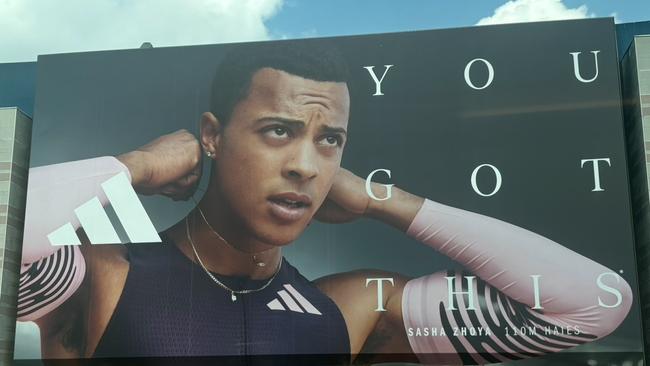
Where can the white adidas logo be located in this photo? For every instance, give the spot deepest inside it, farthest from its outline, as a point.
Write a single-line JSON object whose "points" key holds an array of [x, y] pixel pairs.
{"points": [[97, 225], [290, 302]]}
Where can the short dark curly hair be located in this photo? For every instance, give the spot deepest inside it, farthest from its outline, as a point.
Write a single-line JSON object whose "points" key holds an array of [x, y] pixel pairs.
{"points": [[317, 60]]}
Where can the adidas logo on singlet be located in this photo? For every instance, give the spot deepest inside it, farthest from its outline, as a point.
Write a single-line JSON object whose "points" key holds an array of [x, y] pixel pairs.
{"points": [[292, 301], [97, 225]]}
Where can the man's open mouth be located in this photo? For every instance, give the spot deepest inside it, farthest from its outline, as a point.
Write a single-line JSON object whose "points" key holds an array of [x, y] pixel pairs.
{"points": [[289, 203], [289, 206], [291, 199]]}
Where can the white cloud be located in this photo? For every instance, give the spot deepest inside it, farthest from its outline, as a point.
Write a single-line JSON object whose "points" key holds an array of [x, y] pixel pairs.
{"points": [[518, 11], [32, 27]]}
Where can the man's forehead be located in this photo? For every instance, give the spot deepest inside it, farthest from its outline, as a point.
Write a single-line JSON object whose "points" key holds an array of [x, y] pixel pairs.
{"points": [[279, 86]]}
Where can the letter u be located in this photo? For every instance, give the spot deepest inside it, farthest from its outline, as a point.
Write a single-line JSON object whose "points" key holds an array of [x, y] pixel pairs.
{"points": [[576, 66]]}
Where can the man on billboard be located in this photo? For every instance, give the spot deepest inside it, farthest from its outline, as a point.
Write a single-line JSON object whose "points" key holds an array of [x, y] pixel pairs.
{"points": [[219, 285]]}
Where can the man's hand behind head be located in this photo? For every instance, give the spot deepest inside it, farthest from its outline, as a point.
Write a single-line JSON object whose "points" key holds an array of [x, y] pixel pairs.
{"points": [[169, 165]]}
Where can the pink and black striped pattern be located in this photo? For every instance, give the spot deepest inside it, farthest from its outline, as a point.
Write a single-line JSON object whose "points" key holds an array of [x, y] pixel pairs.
{"points": [[47, 283]]}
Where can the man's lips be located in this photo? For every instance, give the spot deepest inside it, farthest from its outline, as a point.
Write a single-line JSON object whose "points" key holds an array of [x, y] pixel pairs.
{"points": [[289, 206]]}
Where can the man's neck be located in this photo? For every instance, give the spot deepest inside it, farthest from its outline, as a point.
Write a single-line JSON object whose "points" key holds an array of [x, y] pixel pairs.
{"points": [[221, 256]]}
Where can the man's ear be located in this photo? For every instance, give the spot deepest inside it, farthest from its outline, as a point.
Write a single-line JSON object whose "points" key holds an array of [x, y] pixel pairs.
{"points": [[211, 132]]}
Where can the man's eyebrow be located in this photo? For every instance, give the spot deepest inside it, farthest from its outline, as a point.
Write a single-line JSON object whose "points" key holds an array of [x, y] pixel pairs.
{"points": [[331, 129], [286, 121], [296, 123]]}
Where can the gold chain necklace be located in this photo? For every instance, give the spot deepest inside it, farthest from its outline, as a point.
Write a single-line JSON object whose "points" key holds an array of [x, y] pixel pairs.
{"points": [[257, 262], [233, 297]]}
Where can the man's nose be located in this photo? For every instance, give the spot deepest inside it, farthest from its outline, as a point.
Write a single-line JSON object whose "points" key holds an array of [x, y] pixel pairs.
{"points": [[303, 163]]}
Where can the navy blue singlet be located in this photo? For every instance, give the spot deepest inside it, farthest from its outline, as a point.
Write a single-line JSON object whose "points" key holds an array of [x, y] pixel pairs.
{"points": [[170, 307]]}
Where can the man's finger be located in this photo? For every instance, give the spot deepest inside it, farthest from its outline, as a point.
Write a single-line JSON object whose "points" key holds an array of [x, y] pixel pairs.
{"points": [[197, 169], [168, 190], [187, 181], [185, 193]]}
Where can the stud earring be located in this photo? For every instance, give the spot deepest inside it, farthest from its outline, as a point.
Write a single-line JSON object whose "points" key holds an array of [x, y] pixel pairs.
{"points": [[209, 154]]}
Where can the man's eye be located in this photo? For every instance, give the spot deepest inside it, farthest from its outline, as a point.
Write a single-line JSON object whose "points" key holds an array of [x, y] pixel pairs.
{"points": [[277, 132], [332, 140]]}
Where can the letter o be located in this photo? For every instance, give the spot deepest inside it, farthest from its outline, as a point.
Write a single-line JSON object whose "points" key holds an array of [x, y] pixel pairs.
{"points": [[490, 74], [497, 185]]}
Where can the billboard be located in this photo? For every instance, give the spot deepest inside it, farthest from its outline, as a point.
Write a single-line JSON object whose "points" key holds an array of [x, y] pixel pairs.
{"points": [[447, 197]]}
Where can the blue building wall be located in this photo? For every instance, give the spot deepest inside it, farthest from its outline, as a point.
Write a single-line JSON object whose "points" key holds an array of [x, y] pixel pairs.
{"points": [[625, 33], [17, 86]]}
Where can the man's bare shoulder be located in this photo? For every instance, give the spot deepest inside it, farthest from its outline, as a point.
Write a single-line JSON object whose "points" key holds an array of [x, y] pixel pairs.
{"points": [[108, 269], [357, 292], [356, 295], [69, 330], [356, 279], [62, 329]]}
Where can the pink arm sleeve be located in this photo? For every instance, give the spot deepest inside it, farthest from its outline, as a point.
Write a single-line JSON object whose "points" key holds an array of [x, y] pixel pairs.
{"points": [[54, 191], [504, 257], [51, 274]]}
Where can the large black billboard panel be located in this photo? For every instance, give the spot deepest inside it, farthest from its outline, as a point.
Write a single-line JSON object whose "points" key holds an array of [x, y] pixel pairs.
{"points": [[450, 196]]}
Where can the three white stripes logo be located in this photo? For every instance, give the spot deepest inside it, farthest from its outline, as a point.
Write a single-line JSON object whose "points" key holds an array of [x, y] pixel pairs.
{"points": [[290, 301], [97, 225]]}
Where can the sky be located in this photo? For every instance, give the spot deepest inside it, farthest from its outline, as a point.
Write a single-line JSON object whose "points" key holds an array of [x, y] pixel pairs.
{"points": [[29, 28]]}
